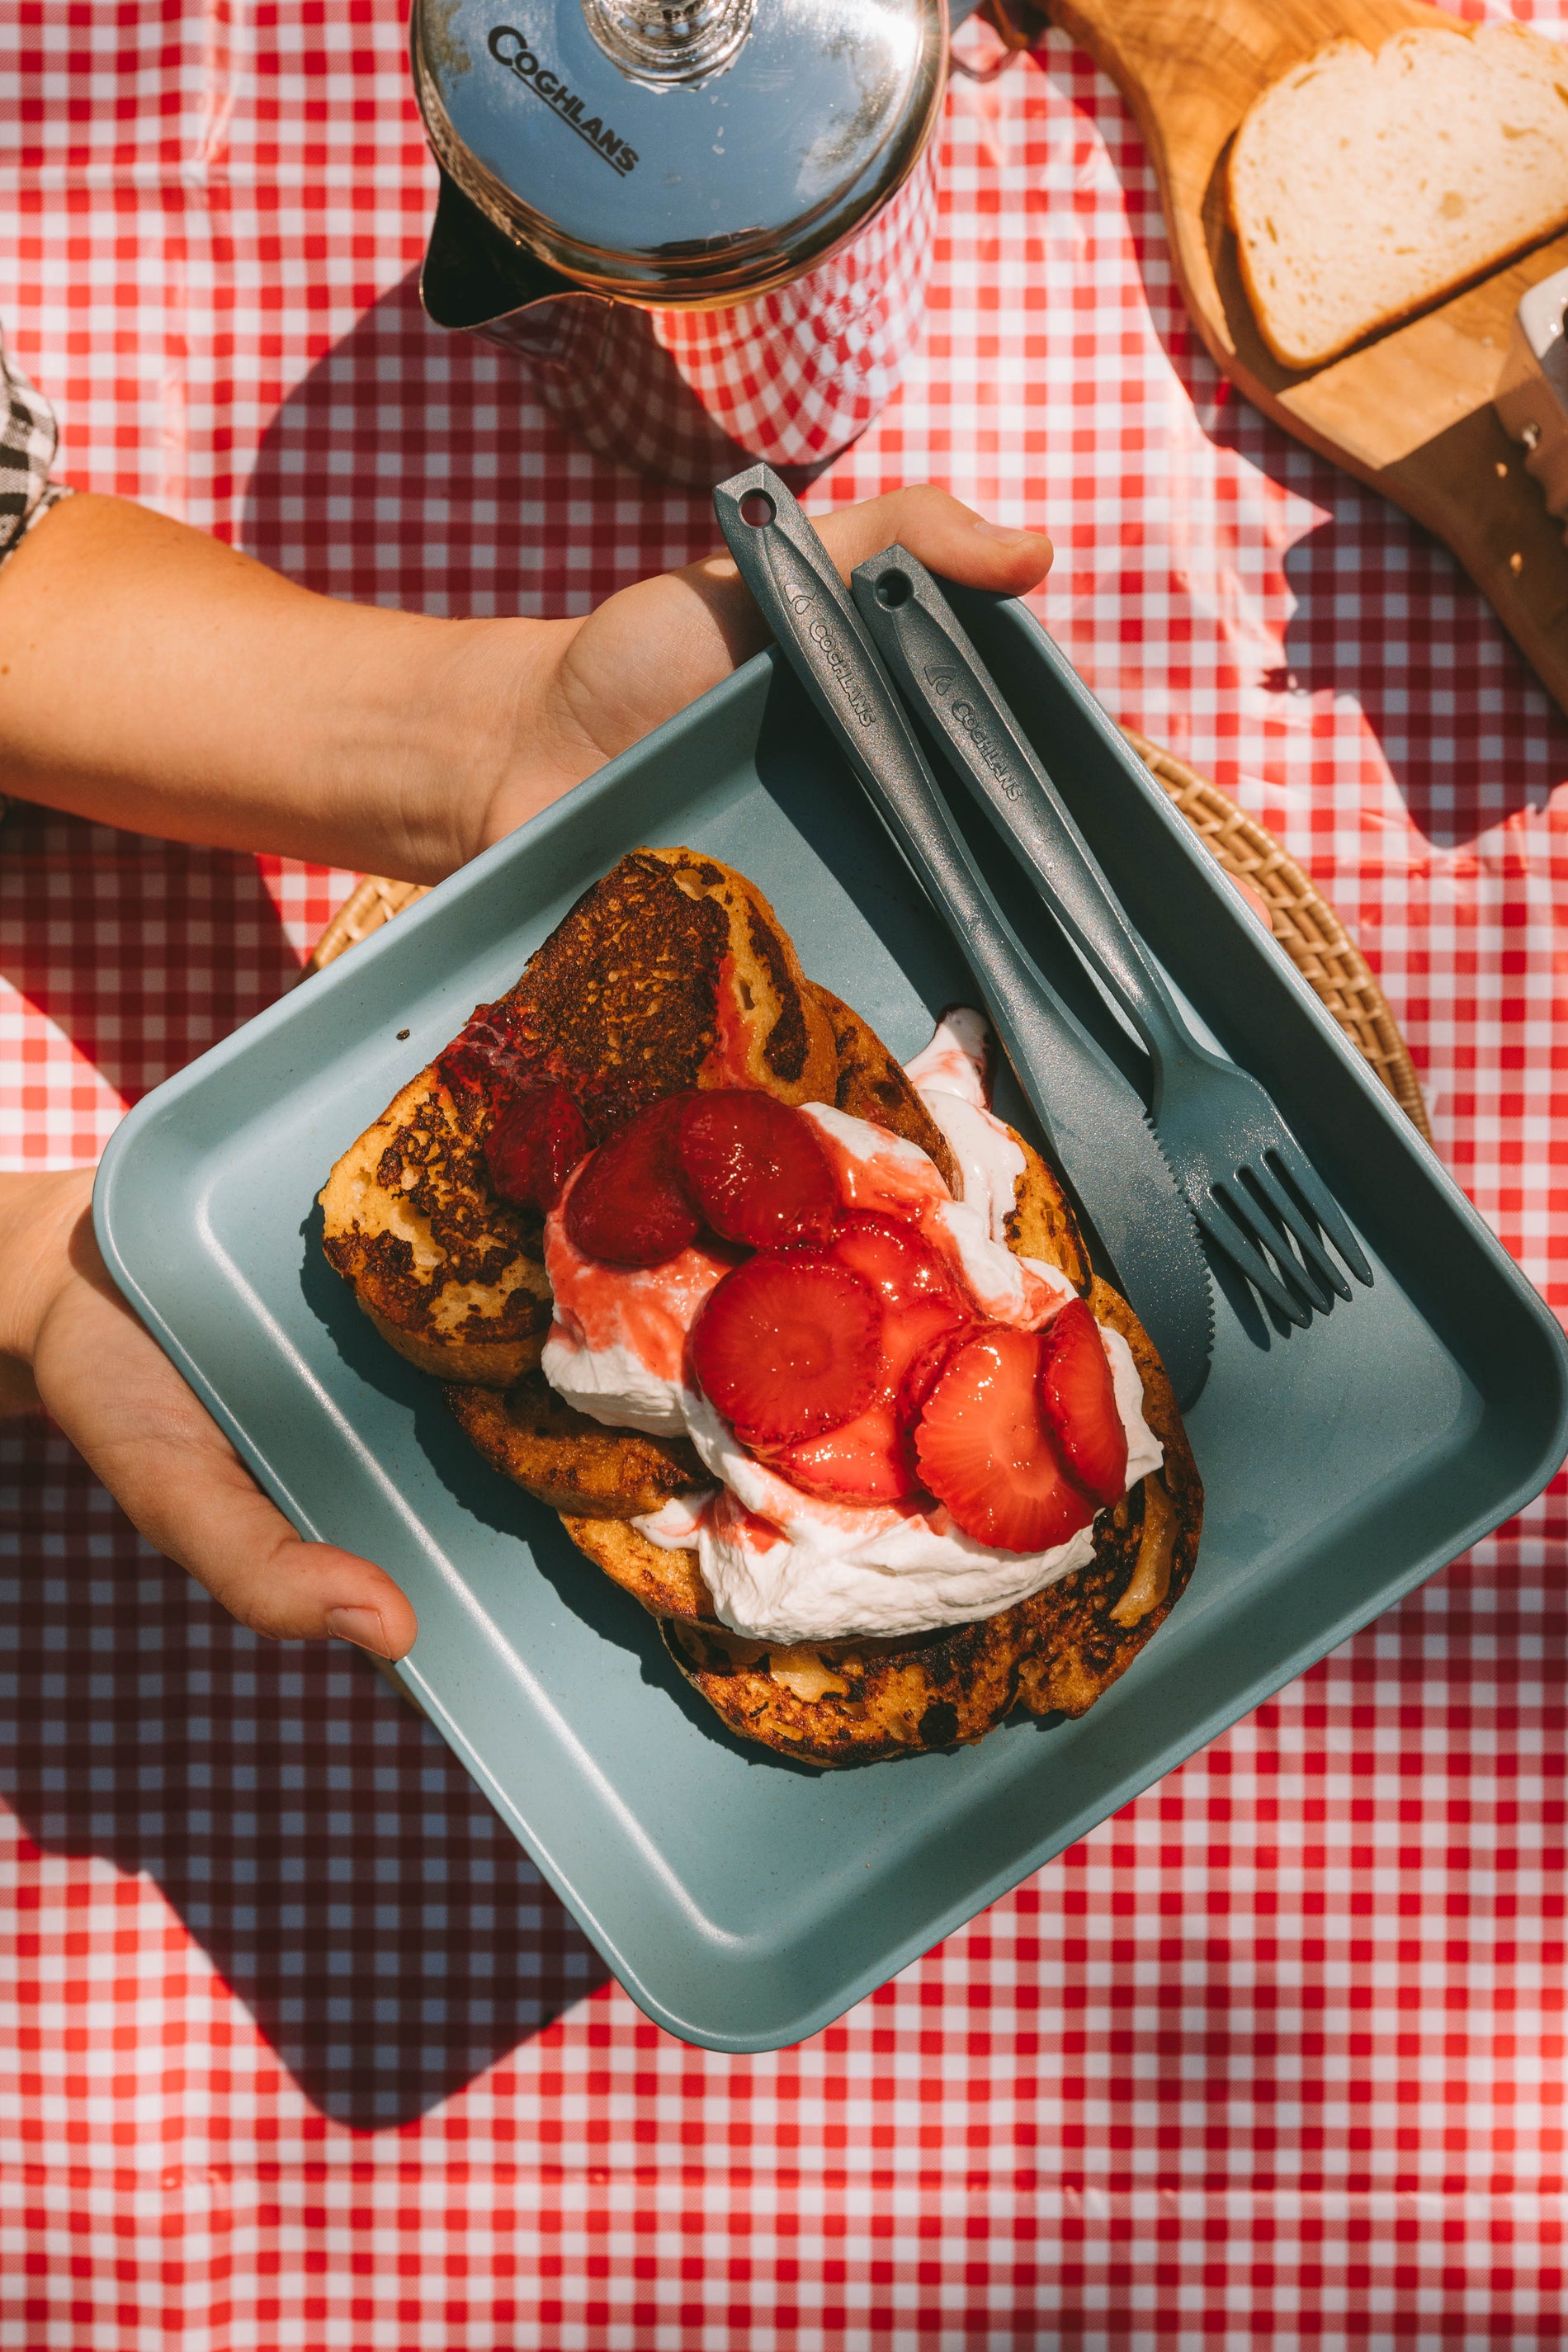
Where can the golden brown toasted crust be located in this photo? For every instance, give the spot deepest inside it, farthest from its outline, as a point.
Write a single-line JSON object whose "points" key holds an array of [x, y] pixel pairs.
{"points": [[860, 1702], [449, 1274], [770, 1028], [568, 1460], [871, 1084], [667, 1583], [1042, 1224], [671, 971]]}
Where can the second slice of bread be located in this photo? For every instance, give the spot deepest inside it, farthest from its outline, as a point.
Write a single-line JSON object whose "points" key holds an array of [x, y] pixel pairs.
{"points": [[1363, 188]]}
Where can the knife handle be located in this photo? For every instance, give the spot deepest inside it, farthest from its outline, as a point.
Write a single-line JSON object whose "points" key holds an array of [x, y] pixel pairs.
{"points": [[929, 654], [798, 588]]}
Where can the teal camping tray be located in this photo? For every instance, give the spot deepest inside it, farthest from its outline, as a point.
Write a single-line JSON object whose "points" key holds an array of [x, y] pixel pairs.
{"points": [[745, 1901]]}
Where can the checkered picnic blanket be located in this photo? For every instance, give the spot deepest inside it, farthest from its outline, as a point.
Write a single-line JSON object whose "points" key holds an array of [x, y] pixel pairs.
{"points": [[298, 2051]]}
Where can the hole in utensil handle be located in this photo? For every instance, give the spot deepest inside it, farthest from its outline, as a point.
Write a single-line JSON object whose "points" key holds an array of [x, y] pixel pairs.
{"points": [[758, 509], [893, 589]]}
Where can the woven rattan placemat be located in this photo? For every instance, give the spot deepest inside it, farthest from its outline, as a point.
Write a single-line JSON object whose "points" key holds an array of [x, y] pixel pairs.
{"points": [[1304, 923]]}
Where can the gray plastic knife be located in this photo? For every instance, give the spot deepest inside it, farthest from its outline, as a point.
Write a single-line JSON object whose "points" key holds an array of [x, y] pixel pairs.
{"points": [[1091, 1118]]}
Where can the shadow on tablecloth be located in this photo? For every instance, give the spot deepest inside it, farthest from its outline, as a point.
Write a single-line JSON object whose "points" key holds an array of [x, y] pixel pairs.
{"points": [[144, 952], [315, 1836], [416, 468]]}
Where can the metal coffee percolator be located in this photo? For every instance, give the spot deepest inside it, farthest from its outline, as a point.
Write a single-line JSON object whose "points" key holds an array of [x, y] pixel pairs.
{"points": [[709, 224]]}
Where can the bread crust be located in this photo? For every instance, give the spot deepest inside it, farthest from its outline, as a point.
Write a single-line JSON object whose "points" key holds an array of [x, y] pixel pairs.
{"points": [[870, 1083], [669, 1583], [566, 1459], [450, 1277]]}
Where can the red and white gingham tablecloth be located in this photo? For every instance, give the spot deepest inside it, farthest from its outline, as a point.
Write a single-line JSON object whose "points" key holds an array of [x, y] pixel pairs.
{"points": [[297, 2051]]}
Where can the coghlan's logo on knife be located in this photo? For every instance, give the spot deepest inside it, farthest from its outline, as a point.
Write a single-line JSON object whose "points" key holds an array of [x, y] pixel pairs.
{"points": [[509, 49], [964, 714], [817, 630]]}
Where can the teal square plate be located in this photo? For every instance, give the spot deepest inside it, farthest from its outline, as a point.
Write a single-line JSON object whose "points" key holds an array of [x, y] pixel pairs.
{"points": [[743, 1900]]}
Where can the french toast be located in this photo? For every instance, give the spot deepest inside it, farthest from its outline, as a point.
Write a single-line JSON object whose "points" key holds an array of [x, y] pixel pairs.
{"points": [[674, 974]]}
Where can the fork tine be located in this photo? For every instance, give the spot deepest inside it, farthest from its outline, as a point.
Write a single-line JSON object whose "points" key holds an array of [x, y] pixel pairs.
{"points": [[1252, 1214], [1258, 1173], [1228, 1235], [1294, 1164]]}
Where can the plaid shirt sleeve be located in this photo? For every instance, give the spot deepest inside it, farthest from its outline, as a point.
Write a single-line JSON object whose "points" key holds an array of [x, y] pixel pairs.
{"points": [[27, 439]]}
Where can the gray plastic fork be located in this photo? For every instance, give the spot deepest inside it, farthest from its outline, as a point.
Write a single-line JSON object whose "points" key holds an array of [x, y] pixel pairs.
{"points": [[1247, 1180]]}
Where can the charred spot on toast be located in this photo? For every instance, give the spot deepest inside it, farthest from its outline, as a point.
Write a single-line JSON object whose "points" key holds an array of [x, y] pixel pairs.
{"points": [[434, 1160], [618, 1004], [771, 1031], [670, 973], [853, 1702], [784, 1052]]}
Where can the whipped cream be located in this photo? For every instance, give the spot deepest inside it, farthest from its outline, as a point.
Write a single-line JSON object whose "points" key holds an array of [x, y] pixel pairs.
{"points": [[783, 1566], [950, 1078]]}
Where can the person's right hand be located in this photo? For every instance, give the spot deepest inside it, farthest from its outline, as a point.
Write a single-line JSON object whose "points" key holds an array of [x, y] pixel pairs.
{"points": [[69, 1343], [225, 705], [581, 691]]}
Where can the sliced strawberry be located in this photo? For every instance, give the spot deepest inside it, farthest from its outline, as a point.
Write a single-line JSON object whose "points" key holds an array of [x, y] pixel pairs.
{"points": [[920, 1301], [984, 1447], [895, 1258], [1078, 1398], [755, 1170], [871, 1459], [922, 1372], [787, 1345], [535, 1140], [629, 1205]]}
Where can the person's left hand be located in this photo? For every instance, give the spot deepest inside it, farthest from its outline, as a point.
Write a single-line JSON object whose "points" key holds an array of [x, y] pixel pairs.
{"points": [[70, 1342]]}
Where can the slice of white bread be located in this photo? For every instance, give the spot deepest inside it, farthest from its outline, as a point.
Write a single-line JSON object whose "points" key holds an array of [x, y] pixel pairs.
{"points": [[1363, 188]]}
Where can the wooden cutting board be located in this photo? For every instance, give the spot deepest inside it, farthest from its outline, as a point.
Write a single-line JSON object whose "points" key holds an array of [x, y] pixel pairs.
{"points": [[1409, 413]]}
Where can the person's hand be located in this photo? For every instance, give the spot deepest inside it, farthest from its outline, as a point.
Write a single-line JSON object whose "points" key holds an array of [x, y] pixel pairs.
{"points": [[572, 694], [225, 705], [68, 1342]]}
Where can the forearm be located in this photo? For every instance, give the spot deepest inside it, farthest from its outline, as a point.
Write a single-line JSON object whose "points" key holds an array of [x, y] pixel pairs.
{"points": [[153, 679]]}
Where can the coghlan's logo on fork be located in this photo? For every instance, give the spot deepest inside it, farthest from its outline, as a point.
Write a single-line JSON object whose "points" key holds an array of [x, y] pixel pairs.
{"points": [[509, 49]]}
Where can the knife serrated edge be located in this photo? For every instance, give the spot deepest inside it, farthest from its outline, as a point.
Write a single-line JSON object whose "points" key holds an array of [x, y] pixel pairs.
{"points": [[1197, 1227], [1194, 1226]]}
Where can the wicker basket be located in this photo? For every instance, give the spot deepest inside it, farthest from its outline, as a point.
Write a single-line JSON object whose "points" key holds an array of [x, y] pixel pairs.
{"points": [[1305, 925]]}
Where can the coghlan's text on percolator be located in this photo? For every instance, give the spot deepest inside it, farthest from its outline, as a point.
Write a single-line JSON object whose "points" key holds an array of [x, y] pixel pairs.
{"points": [[509, 49]]}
